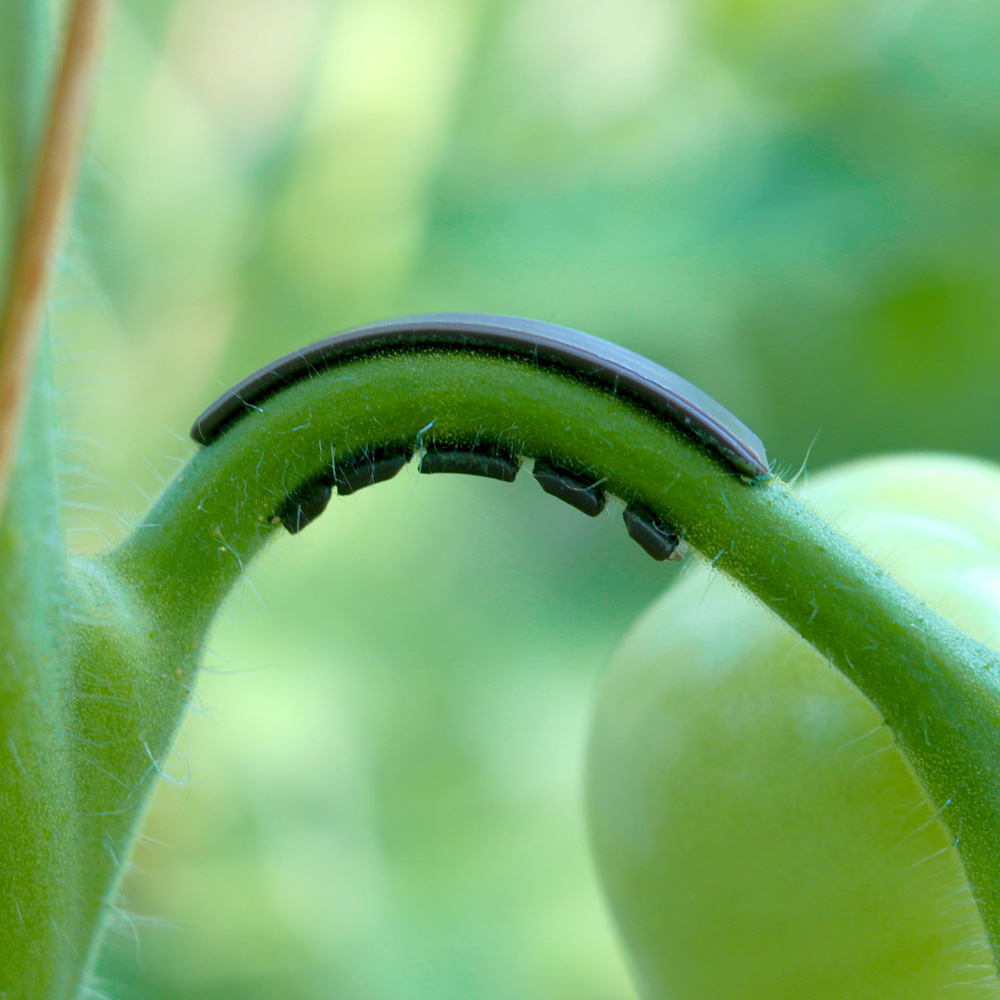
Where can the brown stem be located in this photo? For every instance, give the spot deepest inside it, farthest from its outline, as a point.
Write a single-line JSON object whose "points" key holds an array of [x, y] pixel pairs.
{"points": [[55, 178]]}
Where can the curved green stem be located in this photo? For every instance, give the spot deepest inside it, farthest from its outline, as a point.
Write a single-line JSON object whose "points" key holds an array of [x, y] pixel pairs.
{"points": [[935, 686]]}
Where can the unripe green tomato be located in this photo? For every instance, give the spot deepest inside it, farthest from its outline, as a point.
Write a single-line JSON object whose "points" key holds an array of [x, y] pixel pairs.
{"points": [[757, 832]]}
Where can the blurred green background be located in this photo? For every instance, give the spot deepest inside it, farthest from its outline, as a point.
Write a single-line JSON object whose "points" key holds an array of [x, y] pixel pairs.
{"points": [[378, 795]]}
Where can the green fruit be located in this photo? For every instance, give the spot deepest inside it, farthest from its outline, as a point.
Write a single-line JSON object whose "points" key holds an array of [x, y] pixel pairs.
{"points": [[758, 833]]}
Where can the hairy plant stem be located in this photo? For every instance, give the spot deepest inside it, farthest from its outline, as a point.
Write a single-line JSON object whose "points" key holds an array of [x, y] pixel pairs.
{"points": [[97, 660], [40, 920], [55, 178], [936, 687]]}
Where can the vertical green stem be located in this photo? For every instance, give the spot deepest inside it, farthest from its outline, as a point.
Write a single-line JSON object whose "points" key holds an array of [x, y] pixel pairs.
{"points": [[42, 934]]}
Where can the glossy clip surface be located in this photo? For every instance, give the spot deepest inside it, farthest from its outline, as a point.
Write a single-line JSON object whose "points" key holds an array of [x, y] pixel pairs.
{"points": [[608, 365]]}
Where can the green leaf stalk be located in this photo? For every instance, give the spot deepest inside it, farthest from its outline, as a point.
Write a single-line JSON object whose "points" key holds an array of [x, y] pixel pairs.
{"points": [[98, 656]]}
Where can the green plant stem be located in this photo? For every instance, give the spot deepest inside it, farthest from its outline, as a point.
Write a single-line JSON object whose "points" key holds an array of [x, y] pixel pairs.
{"points": [[934, 685], [41, 231], [40, 915], [40, 912], [97, 664]]}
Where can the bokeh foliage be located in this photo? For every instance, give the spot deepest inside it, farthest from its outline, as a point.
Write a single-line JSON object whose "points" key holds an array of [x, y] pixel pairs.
{"points": [[794, 205]]}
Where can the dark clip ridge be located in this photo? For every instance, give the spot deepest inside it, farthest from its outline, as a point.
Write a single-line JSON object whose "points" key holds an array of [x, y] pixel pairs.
{"points": [[657, 538], [471, 462], [570, 487]]}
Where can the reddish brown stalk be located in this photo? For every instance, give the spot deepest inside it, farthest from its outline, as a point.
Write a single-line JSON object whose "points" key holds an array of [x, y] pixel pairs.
{"points": [[38, 242]]}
